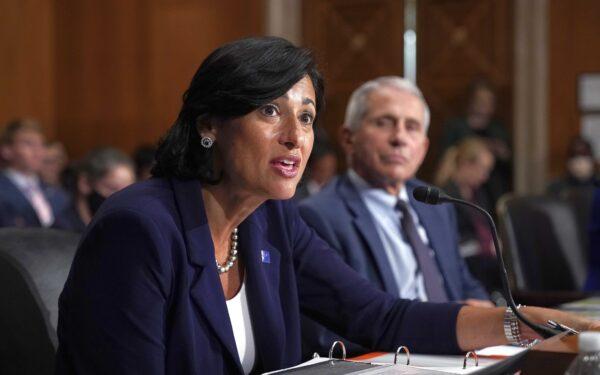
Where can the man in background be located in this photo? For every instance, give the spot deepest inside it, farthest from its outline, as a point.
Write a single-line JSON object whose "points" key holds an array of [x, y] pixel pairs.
{"points": [[369, 215], [25, 201]]}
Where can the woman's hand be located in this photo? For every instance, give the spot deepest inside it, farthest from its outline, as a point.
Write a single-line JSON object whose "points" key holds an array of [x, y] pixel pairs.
{"points": [[541, 316], [478, 327]]}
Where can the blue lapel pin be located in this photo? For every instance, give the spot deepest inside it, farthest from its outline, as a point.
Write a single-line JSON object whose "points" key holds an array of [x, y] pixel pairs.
{"points": [[265, 256]]}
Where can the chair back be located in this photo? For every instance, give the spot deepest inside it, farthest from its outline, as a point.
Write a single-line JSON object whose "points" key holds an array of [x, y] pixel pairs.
{"points": [[542, 238], [34, 265]]}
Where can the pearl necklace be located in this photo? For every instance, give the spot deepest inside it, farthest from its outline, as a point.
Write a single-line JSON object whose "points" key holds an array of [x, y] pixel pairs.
{"points": [[232, 257]]}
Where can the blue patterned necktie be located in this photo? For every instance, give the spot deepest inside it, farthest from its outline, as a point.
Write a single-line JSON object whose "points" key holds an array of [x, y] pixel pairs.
{"points": [[432, 277]]}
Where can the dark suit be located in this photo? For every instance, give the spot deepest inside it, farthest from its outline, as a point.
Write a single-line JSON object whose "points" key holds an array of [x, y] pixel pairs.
{"points": [[144, 297], [339, 215], [15, 209]]}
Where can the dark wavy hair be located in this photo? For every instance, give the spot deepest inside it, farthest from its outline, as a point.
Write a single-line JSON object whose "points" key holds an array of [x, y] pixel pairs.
{"points": [[231, 82]]}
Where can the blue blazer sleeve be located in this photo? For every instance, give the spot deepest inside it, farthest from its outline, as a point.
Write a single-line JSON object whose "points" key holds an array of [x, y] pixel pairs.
{"points": [[121, 285], [333, 294]]}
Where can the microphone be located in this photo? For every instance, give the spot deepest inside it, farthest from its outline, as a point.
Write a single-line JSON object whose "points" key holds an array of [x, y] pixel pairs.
{"points": [[432, 195]]}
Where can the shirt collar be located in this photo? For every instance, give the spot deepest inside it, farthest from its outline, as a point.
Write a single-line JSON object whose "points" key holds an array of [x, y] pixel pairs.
{"points": [[378, 194], [22, 180]]}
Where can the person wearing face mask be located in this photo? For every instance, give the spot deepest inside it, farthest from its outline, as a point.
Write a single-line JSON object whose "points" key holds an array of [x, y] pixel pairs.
{"points": [[580, 168], [103, 172]]}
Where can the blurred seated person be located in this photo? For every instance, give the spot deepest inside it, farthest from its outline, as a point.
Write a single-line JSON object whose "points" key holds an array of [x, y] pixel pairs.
{"points": [[593, 280], [103, 172], [54, 162], [25, 200], [369, 215], [463, 170], [143, 157], [480, 121], [580, 168], [322, 167]]}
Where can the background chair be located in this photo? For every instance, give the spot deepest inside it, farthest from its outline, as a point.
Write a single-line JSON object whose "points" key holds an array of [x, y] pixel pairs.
{"points": [[543, 242], [34, 265]]}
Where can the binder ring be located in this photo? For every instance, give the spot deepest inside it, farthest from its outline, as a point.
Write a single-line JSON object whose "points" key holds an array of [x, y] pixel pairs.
{"points": [[469, 354], [400, 348], [333, 347]]}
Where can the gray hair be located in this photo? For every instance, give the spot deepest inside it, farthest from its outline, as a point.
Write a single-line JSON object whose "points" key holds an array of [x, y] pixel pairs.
{"points": [[357, 105], [100, 161]]}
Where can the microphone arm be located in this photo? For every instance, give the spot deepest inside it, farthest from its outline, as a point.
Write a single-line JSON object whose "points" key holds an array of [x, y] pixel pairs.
{"points": [[432, 195], [543, 331]]}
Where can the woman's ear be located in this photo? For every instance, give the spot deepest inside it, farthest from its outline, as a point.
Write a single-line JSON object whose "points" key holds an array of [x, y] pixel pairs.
{"points": [[206, 127]]}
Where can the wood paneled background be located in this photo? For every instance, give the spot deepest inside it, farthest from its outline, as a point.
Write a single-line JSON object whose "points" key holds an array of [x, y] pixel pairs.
{"points": [[354, 41], [110, 72], [574, 49], [458, 42], [113, 72]]}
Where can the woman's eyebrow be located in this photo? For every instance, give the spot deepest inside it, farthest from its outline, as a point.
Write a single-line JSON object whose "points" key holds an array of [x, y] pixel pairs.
{"points": [[306, 100], [309, 101]]}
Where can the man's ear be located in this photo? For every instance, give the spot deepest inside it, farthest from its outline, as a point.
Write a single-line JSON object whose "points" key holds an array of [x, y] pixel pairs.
{"points": [[426, 144], [346, 137]]}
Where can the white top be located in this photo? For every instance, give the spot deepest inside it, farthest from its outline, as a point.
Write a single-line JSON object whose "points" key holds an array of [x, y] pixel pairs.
{"points": [[242, 328], [400, 255]]}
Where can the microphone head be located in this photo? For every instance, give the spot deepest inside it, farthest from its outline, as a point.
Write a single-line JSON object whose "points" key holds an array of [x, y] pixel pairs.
{"points": [[427, 194]]}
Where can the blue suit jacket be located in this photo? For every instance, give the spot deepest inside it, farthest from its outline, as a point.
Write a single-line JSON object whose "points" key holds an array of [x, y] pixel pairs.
{"points": [[143, 295], [15, 209], [339, 216]]}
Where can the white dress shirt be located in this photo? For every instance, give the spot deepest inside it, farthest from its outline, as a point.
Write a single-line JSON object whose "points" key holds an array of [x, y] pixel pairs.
{"points": [[29, 185], [400, 255]]}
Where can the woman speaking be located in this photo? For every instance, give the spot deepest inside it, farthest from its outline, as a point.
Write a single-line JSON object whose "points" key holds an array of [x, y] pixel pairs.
{"points": [[205, 268]]}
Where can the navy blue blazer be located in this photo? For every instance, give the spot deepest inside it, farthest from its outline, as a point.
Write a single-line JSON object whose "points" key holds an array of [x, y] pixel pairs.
{"points": [[15, 209], [144, 297], [341, 218]]}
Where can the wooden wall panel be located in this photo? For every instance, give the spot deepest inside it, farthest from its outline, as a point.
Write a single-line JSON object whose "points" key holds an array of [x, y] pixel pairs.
{"points": [[457, 42], [27, 61], [354, 41], [574, 40], [122, 66]]}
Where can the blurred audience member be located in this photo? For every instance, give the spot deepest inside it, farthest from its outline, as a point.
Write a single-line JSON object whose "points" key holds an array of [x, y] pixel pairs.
{"points": [[580, 168], [593, 280], [143, 157], [103, 172], [55, 160], [322, 167], [479, 121], [25, 200], [462, 173]]}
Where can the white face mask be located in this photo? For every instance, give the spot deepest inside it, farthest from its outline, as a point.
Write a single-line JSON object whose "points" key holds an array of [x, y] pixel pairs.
{"points": [[581, 167]]}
